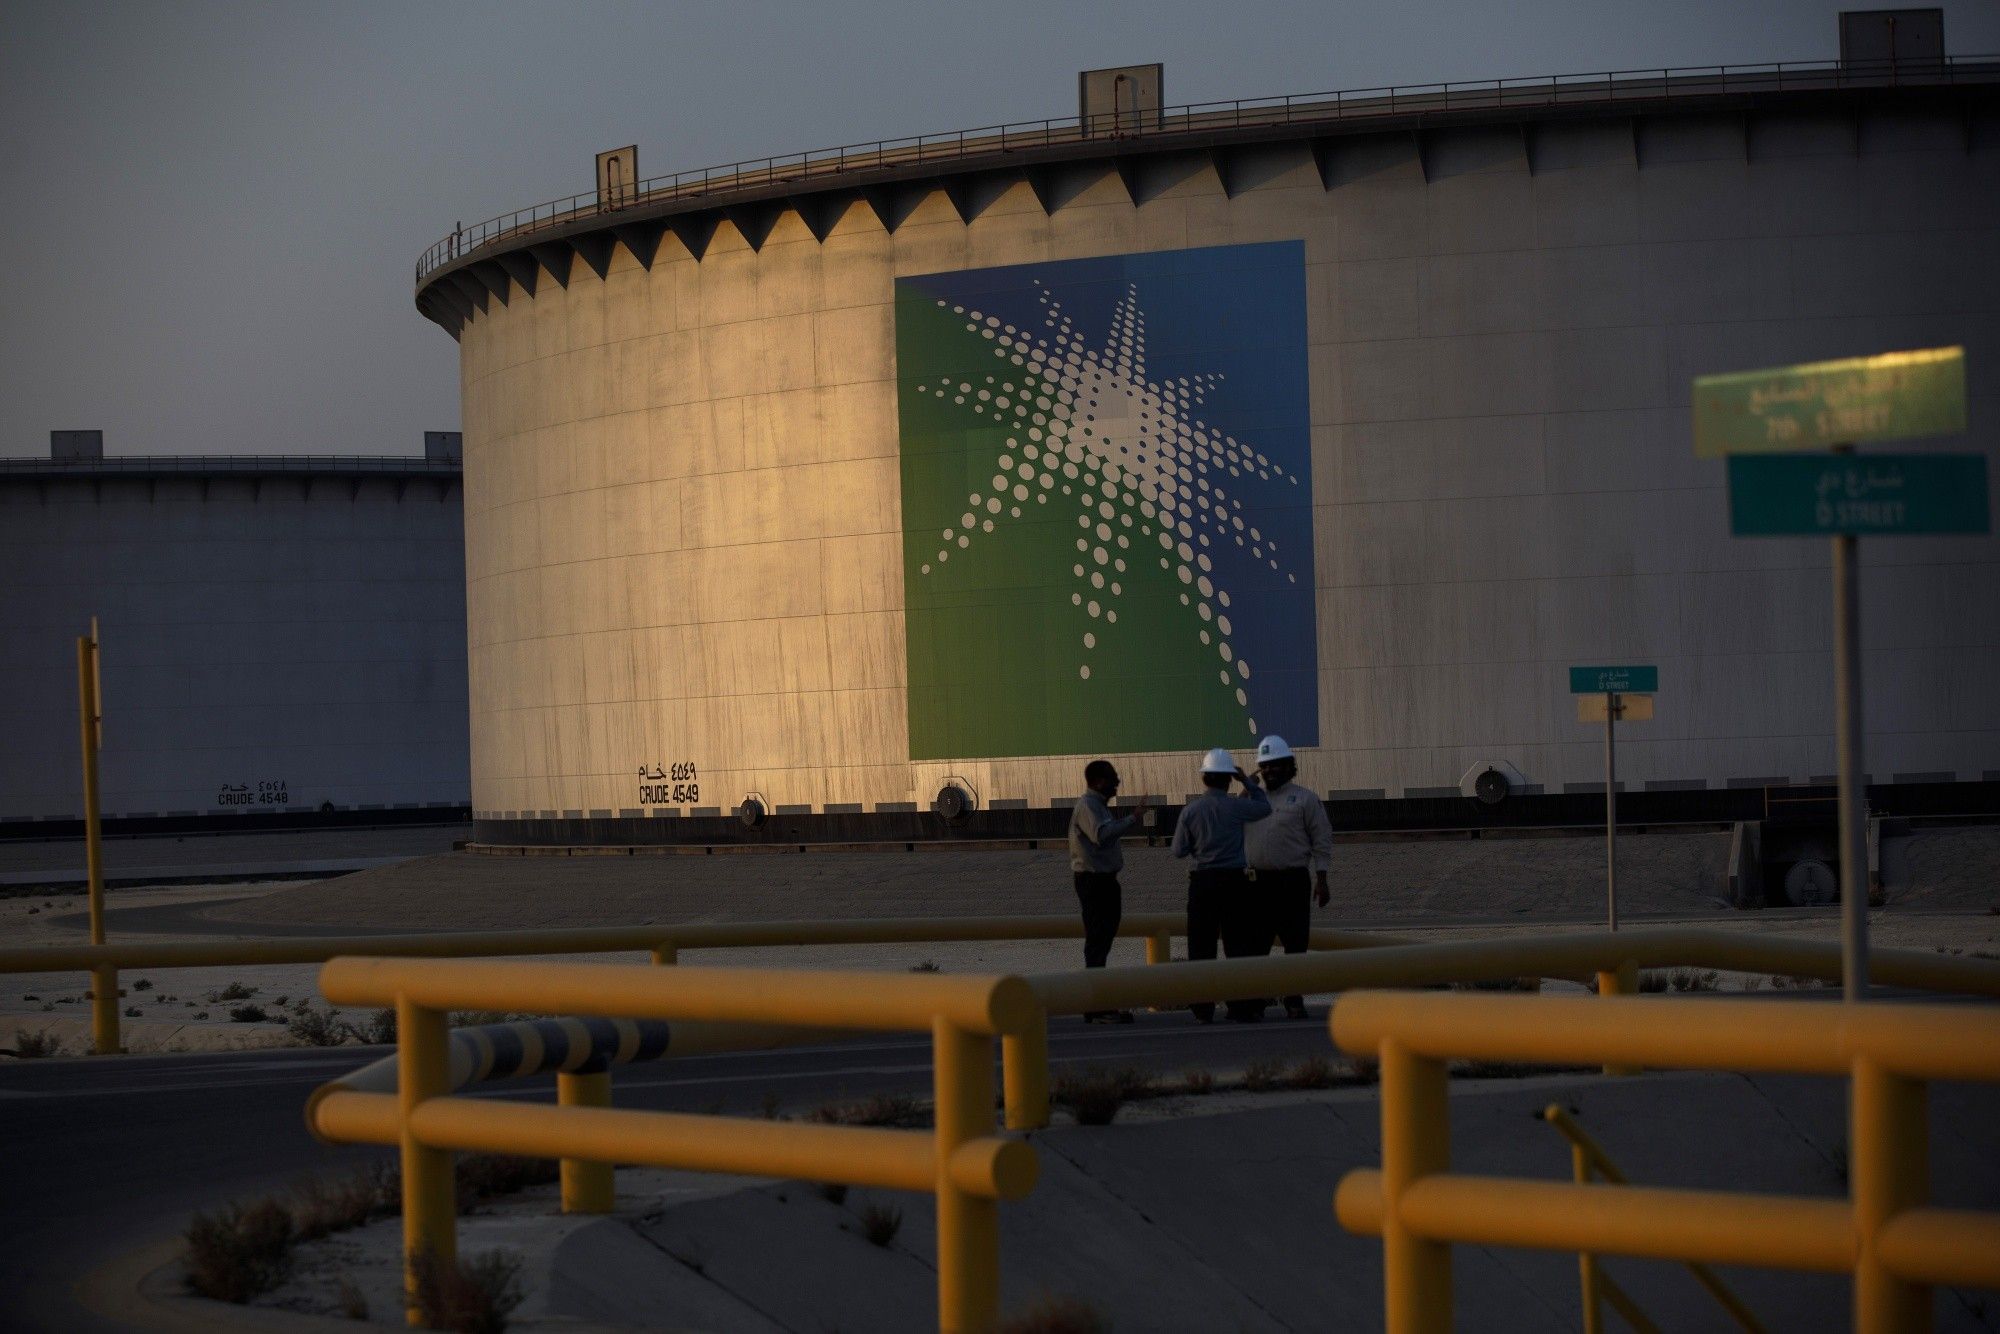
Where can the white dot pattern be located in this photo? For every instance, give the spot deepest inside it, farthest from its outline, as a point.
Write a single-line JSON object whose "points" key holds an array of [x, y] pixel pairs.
{"points": [[1091, 414]]}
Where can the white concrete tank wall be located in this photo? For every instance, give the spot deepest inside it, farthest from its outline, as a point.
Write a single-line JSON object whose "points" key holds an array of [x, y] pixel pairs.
{"points": [[270, 643], [684, 530]]}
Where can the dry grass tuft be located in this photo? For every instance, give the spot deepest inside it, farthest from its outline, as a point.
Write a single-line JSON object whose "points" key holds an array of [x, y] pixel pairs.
{"points": [[1314, 1072], [1058, 1315], [880, 1223], [899, 1111], [474, 1296], [1261, 1076], [483, 1176], [34, 1046], [239, 1251], [1096, 1095]]}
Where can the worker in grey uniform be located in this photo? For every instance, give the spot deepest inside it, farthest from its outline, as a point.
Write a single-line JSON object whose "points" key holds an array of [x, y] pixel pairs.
{"points": [[1219, 903], [1295, 842], [1095, 859]]}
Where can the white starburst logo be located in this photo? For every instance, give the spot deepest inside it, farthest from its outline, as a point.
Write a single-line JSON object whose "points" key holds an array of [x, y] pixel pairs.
{"points": [[1091, 430]]}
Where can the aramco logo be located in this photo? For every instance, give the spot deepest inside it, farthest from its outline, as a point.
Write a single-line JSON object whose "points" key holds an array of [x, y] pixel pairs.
{"points": [[1107, 504]]}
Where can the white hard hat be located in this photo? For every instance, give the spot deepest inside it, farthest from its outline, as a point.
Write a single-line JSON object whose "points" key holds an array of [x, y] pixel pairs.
{"points": [[1218, 761], [1273, 748]]}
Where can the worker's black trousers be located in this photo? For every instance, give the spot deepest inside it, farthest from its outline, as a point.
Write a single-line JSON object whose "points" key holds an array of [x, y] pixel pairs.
{"points": [[1222, 907], [1098, 894], [1287, 900]]}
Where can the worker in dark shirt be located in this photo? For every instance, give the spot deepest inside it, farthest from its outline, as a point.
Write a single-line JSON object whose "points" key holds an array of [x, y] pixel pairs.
{"points": [[1219, 902], [1095, 859]]}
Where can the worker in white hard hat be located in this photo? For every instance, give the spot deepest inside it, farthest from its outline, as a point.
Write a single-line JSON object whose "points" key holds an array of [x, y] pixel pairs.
{"points": [[1285, 851], [1219, 903]]}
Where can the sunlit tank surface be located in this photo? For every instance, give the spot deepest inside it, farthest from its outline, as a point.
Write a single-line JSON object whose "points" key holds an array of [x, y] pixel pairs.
{"points": [[843, 479]]}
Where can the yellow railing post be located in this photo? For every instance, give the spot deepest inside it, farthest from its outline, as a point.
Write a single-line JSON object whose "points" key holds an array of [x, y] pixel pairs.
{"points": [[666, 952], [104, 980], [1416, 1141], [430, 1197], [1888, 1160], [1586, 1263], [1620, 981], [968, 1225], [587, 1187], [1024, 1067], [104, 1010], [1159, 948]]}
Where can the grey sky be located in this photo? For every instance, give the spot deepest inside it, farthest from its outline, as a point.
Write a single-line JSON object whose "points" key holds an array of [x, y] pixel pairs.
{"points": [[212, 210]]}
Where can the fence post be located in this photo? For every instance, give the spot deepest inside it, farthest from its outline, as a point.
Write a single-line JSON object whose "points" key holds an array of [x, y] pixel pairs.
{"points": [[1024, 1067], [1160, 948], [104, 1010], [587, 1187], [430, 1196], [666, 952], [968, 1226], [1888, 1156], [1416, 1141], [1620, 981]]}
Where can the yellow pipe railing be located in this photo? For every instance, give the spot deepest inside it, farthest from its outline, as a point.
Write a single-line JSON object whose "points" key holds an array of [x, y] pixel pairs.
{"points": [[1588, 1157], [964, 1162], [1613, 958], [104, 962], [1885, 1234]]}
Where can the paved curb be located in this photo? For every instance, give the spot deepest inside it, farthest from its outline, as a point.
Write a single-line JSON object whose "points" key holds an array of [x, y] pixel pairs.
{"points": [[142, 1290]]}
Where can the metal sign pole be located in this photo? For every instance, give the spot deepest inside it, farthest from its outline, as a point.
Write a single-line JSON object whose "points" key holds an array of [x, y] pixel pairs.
{"points": [[1610, 810], [1848, 751]]}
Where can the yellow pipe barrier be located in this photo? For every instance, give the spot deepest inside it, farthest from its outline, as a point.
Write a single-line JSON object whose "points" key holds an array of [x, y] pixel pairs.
{"points": [[1896, 1246], [1889, 1171], [103, 962], [963, 1162], [1586, 1157], [670, 937], [587, 1187], [1943, 1247], [1342, 959], [1340, 964], [1621, 980], [1683, 1034], [820, 999], [1024, 1066], [1416, 1144], [430, 1192]]}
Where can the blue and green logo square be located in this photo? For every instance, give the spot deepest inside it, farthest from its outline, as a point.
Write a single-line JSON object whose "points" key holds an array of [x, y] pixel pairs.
{"points": [[1107, 504]]}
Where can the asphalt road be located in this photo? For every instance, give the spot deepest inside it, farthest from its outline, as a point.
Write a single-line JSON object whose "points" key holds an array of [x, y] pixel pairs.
{"points": [[99, 1157]]}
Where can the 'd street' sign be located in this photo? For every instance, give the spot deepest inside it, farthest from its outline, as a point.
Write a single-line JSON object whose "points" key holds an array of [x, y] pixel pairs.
{"points": [[1826, 403], [1795, 495], [1613, 680]]}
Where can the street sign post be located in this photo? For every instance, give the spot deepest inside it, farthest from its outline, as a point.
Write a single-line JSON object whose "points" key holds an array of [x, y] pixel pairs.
{"points": [[1607, 695], [1837, 405], [1816, 495]]}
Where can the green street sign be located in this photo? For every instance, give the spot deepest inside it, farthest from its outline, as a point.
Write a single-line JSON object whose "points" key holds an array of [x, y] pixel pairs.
{"points": [[1826, 403], [1794, 495], [1613, 680]]}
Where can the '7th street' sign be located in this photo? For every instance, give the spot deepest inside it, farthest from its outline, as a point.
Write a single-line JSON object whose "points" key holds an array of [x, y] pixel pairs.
{"points": [[1826, 403]]}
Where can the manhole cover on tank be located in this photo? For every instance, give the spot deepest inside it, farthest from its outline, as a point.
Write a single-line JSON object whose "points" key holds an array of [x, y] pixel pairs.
{"points": [[1811, 883]]}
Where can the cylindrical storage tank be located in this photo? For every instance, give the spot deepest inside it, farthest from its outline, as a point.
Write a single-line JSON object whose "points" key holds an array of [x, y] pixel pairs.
{"points": [[1361, 430]]}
